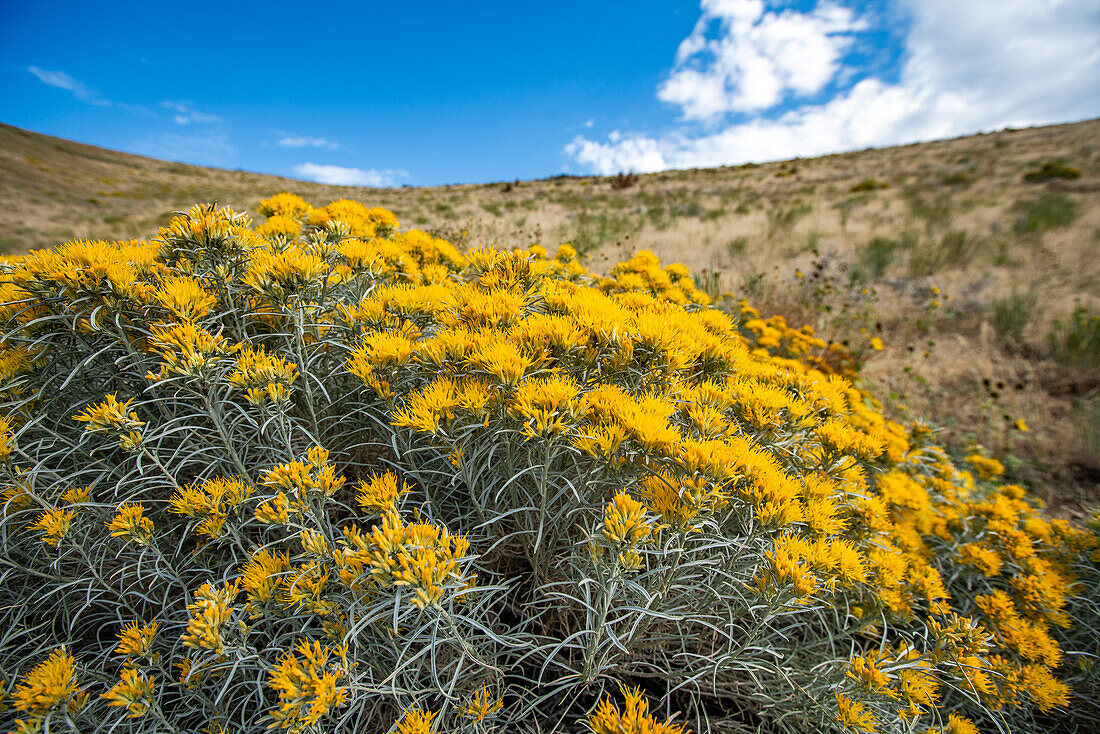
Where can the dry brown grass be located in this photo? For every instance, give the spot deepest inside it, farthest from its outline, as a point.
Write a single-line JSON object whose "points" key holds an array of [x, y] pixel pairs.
{"points": [[956, 215]]}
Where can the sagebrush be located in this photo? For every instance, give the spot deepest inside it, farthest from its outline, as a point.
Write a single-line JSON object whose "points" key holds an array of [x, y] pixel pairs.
{"points": [[323, 475]]}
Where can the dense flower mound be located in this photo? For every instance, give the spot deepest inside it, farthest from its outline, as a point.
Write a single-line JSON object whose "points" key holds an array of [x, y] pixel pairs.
{"points": [[323, 476]]}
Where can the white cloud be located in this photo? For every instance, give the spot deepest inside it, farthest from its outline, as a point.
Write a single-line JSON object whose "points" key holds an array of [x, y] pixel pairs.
{"points": [[210, 149], [341, 176], [973, 66], [61, 80], [291, 141], [757, 58], [185, 114]]}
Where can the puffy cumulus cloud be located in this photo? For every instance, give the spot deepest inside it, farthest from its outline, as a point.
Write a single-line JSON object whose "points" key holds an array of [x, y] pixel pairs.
{"points": [[297, 141], [979, 65], [61, 80], [342, 176], [184, 113], [757, 58]]}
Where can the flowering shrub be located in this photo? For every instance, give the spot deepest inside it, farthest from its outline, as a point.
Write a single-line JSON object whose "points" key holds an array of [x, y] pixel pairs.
{"points": [[321, 475]]}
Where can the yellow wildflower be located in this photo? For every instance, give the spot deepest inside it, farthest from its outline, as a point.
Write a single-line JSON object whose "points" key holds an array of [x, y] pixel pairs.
{"points": [[131, 525], [481, 705], [134, 691], [854, 715], [136, 641], [184, 297], [625, 521], [415, 721], [380, 492], [54, 524], [307, 685], [634, 718], [50, 686], [210, 612], [110, 415]]}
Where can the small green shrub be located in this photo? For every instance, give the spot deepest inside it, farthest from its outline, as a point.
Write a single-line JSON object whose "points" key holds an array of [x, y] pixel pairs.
{"points": [[1047, 211], [958, 179], [1050, 171], [1013, 313], [622, 180], [869, 184], [595, 229]]}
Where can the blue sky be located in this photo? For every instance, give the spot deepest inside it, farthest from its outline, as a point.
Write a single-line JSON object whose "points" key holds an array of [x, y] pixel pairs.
{"points": [[450, 92]]}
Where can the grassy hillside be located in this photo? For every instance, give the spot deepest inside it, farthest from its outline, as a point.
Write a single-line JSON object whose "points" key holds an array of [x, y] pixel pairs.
{"points": [[983, 286]]}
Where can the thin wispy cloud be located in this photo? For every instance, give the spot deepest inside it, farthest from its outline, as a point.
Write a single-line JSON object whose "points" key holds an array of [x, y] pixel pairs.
{"points": [[212, 148], [344, 176], [184, 113], [291, 141], [61, 80], [742, 78]]}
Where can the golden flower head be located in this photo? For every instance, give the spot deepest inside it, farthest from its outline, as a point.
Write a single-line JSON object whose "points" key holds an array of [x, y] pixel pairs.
{"points": [[50, 686], [134, 691], [131, 525]]}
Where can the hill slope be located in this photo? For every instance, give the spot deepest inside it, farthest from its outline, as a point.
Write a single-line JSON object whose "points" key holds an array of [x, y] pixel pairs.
{"points": [[968, 273]]}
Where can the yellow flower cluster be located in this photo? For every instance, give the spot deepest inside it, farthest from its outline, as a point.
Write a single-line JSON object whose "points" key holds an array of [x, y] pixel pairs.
{"points": [[134, 691], [306, 680], [131, 524], [51, 687], [263, 376], [54, 524], [210, 613], [111, 416], [137, 641], [380, 493], [421, 557], [301, 478], [482, 705], [633, 718], [211, 503]]}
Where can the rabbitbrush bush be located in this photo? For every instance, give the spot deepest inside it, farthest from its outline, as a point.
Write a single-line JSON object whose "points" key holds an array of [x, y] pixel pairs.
{"points": [[322, 476]]}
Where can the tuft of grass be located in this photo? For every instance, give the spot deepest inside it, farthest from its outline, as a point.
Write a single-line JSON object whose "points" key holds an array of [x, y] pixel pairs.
{"points": [[783, 217], [1075, 341], [1013, 313], [1086, 433], [937, 211], [1044, 212], [954, 248], [848, 205], [737, 245], [877, 255], [706, 280]]}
